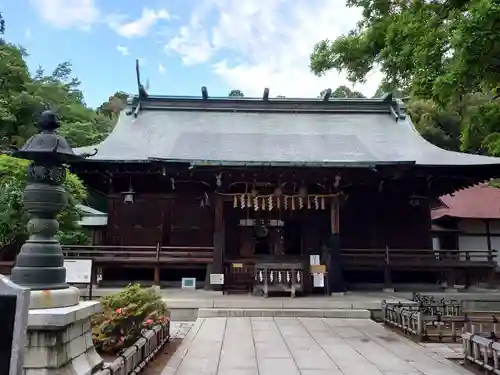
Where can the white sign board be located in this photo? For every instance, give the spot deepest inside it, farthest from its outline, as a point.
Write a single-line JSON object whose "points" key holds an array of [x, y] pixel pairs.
{"points": [[217, 279], [319, 280], [78, 271], [188, 283]]}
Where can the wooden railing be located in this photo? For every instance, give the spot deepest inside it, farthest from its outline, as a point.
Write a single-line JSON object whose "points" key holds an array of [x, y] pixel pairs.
{"points": [[417, 259], [141, 255], [482, 349], [441, 321]]}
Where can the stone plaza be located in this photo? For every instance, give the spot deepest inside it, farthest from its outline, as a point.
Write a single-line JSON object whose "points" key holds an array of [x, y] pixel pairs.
{"points": [[304, 346]]}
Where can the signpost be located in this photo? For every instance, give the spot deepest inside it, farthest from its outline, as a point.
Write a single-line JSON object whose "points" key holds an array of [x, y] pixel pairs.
{"points": [[79, 272], [217, 279], [14, 305]]}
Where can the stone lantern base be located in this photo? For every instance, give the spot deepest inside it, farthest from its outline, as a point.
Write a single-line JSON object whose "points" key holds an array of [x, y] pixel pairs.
{"points": [[49, 299], [59, 341]]}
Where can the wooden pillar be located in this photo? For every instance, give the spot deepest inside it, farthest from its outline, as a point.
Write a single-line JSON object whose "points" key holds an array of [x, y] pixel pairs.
{"points": [[156, 276], [335, 270], [488, 234], [217, 265]]}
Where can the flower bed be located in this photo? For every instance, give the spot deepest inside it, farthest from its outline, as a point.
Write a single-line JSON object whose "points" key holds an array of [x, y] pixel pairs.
{"points": [[125, 316]]}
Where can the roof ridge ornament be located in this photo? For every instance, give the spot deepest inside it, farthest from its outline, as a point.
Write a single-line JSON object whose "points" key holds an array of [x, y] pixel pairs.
{"points": [[140, 87], [204, 92], [327, 94], [265, 95]]}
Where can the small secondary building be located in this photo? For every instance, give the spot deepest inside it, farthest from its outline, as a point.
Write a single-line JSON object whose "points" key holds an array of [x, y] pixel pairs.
{"points": [[468, 219]]}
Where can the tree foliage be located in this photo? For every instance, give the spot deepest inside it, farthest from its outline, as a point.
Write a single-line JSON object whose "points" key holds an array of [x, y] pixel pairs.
{"points": [[23, 96], [13, 218], [237, 93], [443, 54], [343, 92]]}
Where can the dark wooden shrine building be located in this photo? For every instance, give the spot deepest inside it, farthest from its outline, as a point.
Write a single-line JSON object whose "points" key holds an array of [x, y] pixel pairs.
{"points": [[275, 190]]}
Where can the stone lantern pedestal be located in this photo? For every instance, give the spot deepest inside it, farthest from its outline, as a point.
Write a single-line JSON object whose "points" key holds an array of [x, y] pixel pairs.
{"points": [[59, 337]]}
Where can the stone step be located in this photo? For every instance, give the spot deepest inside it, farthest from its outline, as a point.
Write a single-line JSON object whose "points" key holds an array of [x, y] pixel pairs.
{"points": [[297, 313]]}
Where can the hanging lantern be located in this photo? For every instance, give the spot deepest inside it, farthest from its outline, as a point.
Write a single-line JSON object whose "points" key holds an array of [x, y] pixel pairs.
{"points": [[235, 201], [242, 202], [128, 196]]}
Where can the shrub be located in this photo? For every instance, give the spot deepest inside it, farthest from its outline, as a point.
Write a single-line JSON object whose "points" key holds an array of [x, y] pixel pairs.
{"points": [[124, 315]]}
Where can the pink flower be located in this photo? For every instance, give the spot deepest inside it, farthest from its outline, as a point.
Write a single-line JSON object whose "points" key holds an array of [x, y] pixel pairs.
{"points": [[119, 311], [122, 339], [149, 321]]}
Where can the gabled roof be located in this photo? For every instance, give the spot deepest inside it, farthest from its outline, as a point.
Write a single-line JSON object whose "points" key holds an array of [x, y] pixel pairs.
{"points": [[92, 217], [478, 202], [286, 132]]}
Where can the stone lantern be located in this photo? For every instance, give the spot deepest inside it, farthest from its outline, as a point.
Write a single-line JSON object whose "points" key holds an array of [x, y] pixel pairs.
{"points": [[40, 263], [59, 335]]}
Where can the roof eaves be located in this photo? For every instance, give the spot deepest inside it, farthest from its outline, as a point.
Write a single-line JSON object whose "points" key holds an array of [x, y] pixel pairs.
{"points": [[242, 163]]}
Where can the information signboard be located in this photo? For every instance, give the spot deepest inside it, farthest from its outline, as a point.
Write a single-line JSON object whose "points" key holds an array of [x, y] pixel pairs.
{"points": [[78, 271]]}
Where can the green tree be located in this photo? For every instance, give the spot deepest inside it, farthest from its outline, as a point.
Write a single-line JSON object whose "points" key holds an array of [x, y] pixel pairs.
{"points": [[115, 104], [237, 93], [59, 91], [439, 50], [444, 53], [2, 24], [13, 218], [343, 92]]}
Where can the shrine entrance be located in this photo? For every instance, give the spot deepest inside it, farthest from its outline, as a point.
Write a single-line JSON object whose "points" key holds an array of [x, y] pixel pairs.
{"points": [[270, 239]]}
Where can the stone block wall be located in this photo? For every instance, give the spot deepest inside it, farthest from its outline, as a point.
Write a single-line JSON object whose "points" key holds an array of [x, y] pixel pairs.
{"points": [[60, 349]]}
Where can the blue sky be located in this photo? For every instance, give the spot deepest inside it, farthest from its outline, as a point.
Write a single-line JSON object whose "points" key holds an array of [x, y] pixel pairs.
{"points": [[183, 44]]}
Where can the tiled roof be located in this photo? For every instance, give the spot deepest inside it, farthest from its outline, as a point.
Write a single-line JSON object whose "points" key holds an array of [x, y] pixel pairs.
{"points": [[339, 132], [480, 202]]}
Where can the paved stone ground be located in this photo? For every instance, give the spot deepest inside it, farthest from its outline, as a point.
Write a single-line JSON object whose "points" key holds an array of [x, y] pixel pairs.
{"points": [[446, 350], [179, 330], [302, 346]]}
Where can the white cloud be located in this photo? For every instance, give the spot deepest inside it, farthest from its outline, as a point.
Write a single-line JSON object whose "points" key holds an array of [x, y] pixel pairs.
{"points": [[139, 27], [161, 68], [191, 43], [66, 14], [123, 50], [269, 43]]}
